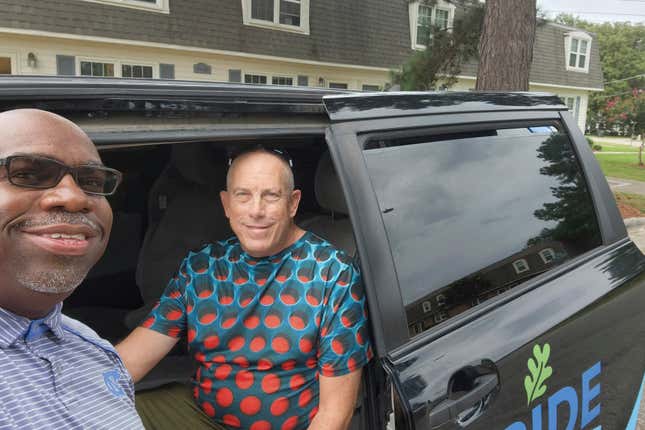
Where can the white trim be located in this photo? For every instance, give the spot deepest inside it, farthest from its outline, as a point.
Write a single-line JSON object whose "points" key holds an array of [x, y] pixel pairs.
{"points": [[519, 261], [579, 36], [270, 77], [160, 6], [546, 251], [184, 49], [413, 13], [303, 28], [474, 78], [117, 65]]}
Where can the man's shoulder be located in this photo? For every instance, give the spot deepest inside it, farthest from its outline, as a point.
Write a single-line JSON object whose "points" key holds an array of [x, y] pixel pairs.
{"points": [[323, 249], [80, 330], [215, 249]]}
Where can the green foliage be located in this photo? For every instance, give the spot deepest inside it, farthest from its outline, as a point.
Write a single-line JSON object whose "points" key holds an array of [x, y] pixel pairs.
{"points": [[446, 50], [589, 141], [539, 372], [622, 55], [597, 148]]}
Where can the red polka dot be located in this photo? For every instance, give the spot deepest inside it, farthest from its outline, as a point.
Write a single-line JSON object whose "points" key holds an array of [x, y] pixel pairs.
{"points": [[231, 420], [191, 335], [204, 294], [189, 308], [223, 371], [304, 278], [306, 345], [264, 364], [199, 356], [174, 331], [290, 423], [261, 281], [311, 362], [241, 361], [270, 383], [236, 343], [207, 318], [207, 385], [219, 359], [174, 295], [351, 364], [327, 370], [347, 322], [289, 365], [359, 338], [313, 413], [257, 344], [226, 300], [297, 322], [305, 398], [296, 382], [211, 342], [337, 347], [281, 278], [250, 405], [267, 300], [149, 322], [208, 409], [228, 323], [261, 425], [244, 303], [279, 406], [224, 397], [288, 299], [280, 344], [240, 281], [244, 379], [252, 322], [323, 331], [272, 321]]}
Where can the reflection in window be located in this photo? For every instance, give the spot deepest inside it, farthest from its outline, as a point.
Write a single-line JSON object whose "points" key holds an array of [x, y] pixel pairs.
{"points": [[255, 79], [93, 68], [520, 266], [443, 202]]}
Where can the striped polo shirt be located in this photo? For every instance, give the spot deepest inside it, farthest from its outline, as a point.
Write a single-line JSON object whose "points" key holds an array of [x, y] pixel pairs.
{"points": [[56, 373]]}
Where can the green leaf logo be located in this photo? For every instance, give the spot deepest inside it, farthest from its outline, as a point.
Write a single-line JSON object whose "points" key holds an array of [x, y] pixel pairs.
{"points": [[539, 373]]}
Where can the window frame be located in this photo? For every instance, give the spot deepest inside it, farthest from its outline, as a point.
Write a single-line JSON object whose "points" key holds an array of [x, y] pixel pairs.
{"points": [[543, 252], [303, 28], [159, 6], [413, 10], [518, 269], [117, 66], [568, 40], [270, 76]]}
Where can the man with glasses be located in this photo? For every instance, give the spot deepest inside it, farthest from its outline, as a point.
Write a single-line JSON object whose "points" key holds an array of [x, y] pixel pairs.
{"points": [[55, 221], [275, 318]]}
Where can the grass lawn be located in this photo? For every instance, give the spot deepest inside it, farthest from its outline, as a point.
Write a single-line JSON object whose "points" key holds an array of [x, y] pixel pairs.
{"points": [[621, 166], [617, 148], [633, 200]]}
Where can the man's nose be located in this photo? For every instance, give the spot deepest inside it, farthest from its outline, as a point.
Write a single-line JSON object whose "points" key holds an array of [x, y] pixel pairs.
{"points": [[66, 195], [257, 209]]}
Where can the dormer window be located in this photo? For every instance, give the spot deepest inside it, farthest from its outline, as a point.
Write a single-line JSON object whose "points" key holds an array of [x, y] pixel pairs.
{"points": [[423, 15], [286, 15], [577, 48]]}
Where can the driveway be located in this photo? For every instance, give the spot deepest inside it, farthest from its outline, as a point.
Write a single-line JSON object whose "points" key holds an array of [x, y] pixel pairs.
{"points": [[627, 186]]}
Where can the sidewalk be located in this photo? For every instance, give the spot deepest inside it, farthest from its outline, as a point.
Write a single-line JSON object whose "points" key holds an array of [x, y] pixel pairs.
{"points": [[614, 140], [627, 186]]}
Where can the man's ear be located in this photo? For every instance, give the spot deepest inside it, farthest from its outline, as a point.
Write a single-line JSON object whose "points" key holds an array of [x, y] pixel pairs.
{"points": [[294, 201], [224, 197]]}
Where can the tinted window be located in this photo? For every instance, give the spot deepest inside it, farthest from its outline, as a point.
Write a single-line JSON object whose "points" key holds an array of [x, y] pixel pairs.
{"points": [[470, 215]]}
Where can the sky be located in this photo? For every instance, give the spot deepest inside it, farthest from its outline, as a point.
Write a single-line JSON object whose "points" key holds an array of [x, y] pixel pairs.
{"points": [[596, 10]]}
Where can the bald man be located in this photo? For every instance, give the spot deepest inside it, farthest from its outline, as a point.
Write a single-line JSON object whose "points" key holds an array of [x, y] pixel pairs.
{"points": [[275, 318], [55, 373]]}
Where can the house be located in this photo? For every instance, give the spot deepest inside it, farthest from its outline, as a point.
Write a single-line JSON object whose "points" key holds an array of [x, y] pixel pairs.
{"points": [[334, 44]]}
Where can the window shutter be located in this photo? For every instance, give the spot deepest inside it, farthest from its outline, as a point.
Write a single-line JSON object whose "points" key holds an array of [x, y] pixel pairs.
{"points": [[234, 75], [303, 81], [166, 71], [66, 65]]}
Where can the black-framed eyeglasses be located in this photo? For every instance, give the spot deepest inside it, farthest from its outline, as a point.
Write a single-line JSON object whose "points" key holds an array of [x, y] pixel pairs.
{"points": [[277, 151], [32, 171]]}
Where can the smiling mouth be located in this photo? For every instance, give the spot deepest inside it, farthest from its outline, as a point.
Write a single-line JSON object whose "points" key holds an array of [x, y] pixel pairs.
{"points": [[67, 240]]}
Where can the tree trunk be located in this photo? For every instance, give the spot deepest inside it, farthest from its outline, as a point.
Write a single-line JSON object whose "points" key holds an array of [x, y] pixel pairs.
{"points": [[506, 45]]}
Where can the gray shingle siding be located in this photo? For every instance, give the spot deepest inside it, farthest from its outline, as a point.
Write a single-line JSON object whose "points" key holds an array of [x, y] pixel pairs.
{"points": [[359, 32]]}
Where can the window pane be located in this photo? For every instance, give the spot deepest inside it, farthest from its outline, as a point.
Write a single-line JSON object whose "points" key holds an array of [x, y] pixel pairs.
{"points": [[279, 80], [137, 71], [460, 230], [126, 71], [441, 19], [572, 60], [97, 69], [581, 61], [147, 72], [108, 69], [583, 46], [86, 68], [338, 85], [367, 87], [262, 9], [574, 45], [290, 12], [255, 79]]}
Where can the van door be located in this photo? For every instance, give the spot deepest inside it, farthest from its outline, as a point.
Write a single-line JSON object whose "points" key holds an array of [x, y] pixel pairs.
{"points": [[503, 290]]}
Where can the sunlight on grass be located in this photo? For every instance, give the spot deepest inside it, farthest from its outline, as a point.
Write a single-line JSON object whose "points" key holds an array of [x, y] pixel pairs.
{"points": [[623, 166]]}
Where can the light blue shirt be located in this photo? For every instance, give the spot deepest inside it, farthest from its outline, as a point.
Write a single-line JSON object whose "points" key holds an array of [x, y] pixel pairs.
{"points": [[56, 373]]}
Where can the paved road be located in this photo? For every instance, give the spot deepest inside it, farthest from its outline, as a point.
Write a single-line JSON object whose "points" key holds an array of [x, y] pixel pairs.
{"points": [[627, 186], [636, 230]]}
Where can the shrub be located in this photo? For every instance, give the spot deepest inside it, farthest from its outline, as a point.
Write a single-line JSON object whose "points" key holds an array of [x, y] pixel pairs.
{"points": [[597, 148], [589, 141]]}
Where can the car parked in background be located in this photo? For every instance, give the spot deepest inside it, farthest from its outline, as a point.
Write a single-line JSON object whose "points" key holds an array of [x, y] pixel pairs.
{"points": [[504, 292]]}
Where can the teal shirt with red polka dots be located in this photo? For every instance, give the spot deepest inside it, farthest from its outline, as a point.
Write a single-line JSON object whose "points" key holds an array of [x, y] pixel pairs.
{"points": [[263, 329]]}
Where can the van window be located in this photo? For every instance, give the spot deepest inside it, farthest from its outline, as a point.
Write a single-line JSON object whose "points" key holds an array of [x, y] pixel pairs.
{"points": [[470, 215]]}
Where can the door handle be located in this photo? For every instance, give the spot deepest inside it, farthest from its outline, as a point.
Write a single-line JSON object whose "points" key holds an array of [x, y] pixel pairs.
{"points": [[458, 402]]}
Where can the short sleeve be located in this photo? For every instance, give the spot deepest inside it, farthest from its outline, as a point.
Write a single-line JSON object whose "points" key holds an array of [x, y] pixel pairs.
{"points": [[169, 314], [344, 344]]}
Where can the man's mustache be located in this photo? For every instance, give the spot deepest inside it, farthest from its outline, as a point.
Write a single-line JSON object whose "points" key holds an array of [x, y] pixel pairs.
{"points": [[59, 217]]}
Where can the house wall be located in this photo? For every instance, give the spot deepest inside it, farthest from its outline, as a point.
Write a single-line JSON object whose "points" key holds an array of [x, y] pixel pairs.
{"points": [[46, 48]]}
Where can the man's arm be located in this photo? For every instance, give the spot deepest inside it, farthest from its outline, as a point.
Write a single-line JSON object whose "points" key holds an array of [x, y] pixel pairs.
{"points": [[143, 349], [337, 401]]}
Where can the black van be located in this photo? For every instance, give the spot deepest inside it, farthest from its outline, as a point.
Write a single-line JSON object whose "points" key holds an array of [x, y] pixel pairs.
{"points": [[503, 290]]}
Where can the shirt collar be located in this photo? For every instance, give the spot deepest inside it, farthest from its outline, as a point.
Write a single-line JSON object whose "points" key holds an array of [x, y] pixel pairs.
{"points": [[14, 327]]}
